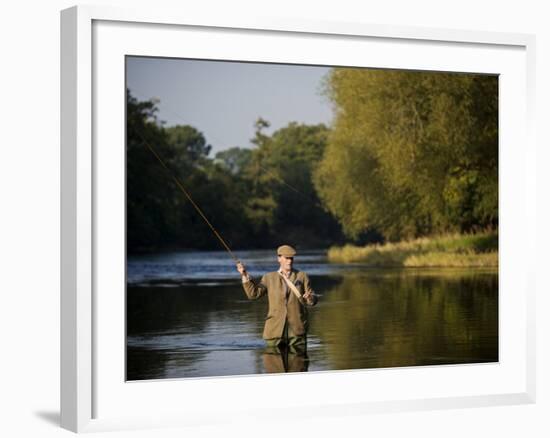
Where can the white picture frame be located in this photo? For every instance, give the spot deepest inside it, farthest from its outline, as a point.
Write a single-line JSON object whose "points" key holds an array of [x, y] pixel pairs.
{"points": [[94, 41]]}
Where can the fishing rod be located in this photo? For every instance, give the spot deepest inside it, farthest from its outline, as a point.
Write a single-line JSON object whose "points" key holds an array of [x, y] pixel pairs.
{"points": [[186, 193]]}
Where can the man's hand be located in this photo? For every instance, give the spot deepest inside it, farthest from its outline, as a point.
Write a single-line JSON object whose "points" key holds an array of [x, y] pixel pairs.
{"points": [[308, 296], [241, 268]]}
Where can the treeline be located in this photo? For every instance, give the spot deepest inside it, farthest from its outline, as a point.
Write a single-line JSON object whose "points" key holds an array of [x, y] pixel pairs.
{"points": [[409, 154], [255, 198]]}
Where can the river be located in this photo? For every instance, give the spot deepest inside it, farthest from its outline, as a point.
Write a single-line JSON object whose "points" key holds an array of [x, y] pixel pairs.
{"points": [[187, 316]]}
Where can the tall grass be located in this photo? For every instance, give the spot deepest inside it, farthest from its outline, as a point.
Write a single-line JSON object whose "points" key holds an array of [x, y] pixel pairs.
{"points": [[449, 250]]}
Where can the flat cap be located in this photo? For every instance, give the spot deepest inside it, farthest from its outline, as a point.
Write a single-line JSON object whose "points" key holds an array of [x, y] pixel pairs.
{"points": [[286, 250]]}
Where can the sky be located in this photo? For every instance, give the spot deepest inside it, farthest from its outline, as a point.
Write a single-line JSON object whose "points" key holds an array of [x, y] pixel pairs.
{"points": [[223, 99]]}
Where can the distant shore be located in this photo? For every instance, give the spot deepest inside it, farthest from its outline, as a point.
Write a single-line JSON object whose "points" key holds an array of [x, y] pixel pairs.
{"points": [[449, 250]]}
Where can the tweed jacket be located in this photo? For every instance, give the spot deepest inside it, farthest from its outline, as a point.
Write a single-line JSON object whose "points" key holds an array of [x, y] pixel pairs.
{"points": [[283, 303]]}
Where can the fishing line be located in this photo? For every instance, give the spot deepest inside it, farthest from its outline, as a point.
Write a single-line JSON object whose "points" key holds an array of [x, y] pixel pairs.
{"points": [[294, 189], [186, 193], [303, 195]]}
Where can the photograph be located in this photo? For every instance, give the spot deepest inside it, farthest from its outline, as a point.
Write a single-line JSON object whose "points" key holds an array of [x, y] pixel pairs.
{"points": [[285, 218]]}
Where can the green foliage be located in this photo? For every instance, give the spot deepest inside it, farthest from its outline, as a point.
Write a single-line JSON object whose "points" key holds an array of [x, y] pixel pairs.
{"points": [[254, 198], [147, 186], [189, 144], [411, 153], [159, 215], [282, 199], [233, 159]]}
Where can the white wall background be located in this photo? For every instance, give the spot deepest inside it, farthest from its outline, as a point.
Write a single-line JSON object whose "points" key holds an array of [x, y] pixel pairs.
{"points": [[29, 218]]}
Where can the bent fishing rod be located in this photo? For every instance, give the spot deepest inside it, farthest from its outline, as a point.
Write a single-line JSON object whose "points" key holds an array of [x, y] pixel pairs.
{"points": [[186, 193]]}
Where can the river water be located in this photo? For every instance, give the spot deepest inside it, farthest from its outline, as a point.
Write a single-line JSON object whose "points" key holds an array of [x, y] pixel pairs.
{"points": [[187, 316]]}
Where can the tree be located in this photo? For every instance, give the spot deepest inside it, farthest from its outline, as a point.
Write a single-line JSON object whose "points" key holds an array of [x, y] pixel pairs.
{"points": [[189, 144], [148, 192], [234, 159], [283, 201], [411, 153]]}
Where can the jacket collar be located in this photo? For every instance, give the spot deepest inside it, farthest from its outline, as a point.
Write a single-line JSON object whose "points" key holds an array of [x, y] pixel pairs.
{"points": [[291, 276]]}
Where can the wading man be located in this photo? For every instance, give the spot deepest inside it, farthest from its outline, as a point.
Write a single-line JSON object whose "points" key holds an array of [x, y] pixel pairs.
{"points": [[289, 294]]}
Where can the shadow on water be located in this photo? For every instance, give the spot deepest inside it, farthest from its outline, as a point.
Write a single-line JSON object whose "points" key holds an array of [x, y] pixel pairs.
{"points": [[364, 319]]}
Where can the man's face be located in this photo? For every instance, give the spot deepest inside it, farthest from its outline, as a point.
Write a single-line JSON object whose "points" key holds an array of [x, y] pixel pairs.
{"points": [[286, 262]]}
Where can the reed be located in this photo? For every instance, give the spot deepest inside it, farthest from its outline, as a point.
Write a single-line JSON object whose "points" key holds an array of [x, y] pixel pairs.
{"points": [[448, 250]]}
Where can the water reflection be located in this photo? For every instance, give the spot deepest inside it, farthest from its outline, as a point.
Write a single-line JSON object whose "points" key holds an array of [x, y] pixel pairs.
{"points": [[282, 360], [364, 319], [404, 319]]}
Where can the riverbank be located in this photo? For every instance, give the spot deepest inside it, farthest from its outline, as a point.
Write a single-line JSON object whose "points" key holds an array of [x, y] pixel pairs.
{"points": [[450, 250]]}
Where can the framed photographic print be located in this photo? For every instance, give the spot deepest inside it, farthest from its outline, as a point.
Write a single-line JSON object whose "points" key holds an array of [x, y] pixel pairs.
{"points": [[257, 208]]}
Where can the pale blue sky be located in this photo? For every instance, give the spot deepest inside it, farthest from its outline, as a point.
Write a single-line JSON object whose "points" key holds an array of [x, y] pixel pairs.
{"points": [[223, 99]]}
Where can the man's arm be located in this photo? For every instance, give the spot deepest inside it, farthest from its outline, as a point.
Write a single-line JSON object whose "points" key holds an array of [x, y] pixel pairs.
{"points": [[252, 290]]}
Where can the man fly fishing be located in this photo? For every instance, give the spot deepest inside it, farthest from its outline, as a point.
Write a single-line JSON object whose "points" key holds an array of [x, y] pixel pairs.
{"points": [[288, 290], [289, 294]]}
